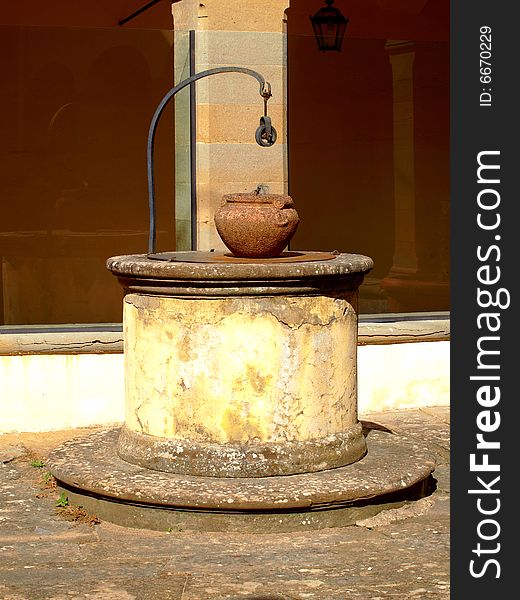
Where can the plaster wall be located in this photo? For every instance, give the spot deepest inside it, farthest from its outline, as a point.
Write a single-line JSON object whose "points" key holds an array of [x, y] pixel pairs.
{"points": [[52, 392]]}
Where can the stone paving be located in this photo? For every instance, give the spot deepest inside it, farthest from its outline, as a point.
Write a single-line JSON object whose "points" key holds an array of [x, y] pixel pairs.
{"points": [[401, 554]]}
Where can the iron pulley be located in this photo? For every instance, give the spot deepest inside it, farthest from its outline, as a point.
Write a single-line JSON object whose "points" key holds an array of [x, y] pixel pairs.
{"points": [[265, 134]]}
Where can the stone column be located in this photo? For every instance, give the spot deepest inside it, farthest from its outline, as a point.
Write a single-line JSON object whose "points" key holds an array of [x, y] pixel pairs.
{"points": [[402, 56], [228, 105], [417, 279]]}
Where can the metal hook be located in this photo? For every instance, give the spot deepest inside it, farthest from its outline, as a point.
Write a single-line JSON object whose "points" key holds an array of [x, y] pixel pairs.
{"points": [[262, 137]]}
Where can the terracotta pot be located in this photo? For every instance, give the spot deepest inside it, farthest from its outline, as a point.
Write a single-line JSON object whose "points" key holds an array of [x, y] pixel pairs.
{"points": [[256, 225]]}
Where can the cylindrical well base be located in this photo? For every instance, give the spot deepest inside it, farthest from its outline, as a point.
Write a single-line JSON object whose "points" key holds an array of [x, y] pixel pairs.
{"points": [[229, 375]]}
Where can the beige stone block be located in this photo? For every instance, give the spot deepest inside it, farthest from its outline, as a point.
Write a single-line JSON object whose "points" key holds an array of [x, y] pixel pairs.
{"points": [[182, 235], [182, 163], [209, 195], [240, 48], [238, 88], [237, 371], [186, 14], [181, 49], [203, 163], [182, 201], [236, 123], [238, 162], [253, 15], [181, 102]]}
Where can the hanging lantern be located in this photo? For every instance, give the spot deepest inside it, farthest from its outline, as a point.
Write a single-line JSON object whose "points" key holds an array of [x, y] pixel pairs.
{"points": [[329, 26]]}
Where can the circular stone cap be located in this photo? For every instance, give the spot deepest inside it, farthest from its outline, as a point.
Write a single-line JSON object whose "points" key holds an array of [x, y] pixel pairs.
{"points": [[140, 274]]}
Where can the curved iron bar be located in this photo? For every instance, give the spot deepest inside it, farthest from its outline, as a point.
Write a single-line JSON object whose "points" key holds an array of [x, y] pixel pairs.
{"points": [[265, 92]]}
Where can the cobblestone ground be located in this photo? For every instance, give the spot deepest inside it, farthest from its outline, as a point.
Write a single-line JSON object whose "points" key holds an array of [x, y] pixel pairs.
{"points": [[401, 553]]}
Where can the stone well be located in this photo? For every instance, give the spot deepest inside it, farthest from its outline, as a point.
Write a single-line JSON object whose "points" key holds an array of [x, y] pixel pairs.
{"points": [[241, 369], [241, 401]]}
